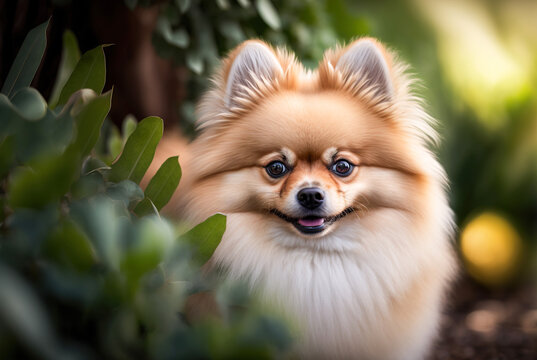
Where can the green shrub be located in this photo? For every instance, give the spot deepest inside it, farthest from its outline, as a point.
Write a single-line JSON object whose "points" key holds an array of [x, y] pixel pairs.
{"points": [[88, 268], [196, 33]]}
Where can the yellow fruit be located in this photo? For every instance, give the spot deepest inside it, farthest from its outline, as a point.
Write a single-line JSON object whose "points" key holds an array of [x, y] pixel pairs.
{"points": [[491, 249]]}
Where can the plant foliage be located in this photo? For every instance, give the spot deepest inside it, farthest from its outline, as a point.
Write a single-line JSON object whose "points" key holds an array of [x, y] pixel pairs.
{"points": [[196, 33], [88, 268]]}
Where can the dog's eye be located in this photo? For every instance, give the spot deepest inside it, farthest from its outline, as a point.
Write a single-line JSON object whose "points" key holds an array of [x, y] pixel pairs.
{"points": [[276, 169], [342, 168]]}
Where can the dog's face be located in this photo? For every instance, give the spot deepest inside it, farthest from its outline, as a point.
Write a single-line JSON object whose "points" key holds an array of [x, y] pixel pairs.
{"points": [[312, 159], [310, 153]]}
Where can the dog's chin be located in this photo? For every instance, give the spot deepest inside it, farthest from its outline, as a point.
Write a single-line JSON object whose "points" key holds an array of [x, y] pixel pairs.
{"points": [[312, 225]]}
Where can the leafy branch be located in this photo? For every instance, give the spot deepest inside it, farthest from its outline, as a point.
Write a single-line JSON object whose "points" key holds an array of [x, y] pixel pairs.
{"points": [[88, 268]]}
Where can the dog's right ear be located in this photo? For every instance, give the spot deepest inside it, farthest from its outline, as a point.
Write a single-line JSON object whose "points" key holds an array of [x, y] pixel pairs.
{"points": [[249, 67], [365, 61]]}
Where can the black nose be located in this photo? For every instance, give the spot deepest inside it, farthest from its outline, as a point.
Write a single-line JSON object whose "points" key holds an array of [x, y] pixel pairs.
{"points": [[310, 198]]}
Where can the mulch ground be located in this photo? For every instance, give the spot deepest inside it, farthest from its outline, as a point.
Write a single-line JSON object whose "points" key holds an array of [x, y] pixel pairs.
{"points": [[485, 324]]}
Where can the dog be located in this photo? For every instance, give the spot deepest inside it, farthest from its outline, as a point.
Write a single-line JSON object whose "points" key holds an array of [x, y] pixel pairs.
{"points": [[336, 208]]}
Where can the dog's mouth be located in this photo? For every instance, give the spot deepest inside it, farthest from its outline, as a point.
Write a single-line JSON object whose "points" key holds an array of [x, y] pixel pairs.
{"points": [[312, 224]]}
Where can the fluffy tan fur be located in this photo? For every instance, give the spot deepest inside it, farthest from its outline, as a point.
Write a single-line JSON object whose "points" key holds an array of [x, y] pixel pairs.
{"points": [[371, 285]]}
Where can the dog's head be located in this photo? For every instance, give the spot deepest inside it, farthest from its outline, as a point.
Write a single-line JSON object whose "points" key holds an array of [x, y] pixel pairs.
{"points": [[311, 149]]}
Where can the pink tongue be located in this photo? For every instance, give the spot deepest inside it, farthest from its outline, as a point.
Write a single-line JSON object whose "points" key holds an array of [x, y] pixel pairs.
{"points": [[311, 222]]}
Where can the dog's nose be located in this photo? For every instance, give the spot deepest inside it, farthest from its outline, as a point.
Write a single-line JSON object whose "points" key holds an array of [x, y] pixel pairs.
{"points": [[310, 198]]}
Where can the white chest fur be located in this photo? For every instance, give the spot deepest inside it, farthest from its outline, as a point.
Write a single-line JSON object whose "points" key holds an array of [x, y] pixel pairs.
{"points": [[357, 293]]}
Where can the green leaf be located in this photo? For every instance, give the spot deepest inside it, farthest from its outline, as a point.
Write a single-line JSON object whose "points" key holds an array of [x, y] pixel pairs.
{"points": [[161, 187], [194, 62], [51, 134], [92, 165], [116, 140], [139, 151], [268, 13], [183, 5], [153, 240], [125, 191], [99, 217], [12, 117], [207, 47], [177, 37], [68, 246], [23, 314], [24, 67], [89, 121], [43, 182], [222, 4], [29, 104], [114, 143], [232, 30], [89, 73], [128, 126], [70, 57], [206, 236], [88, 185]]}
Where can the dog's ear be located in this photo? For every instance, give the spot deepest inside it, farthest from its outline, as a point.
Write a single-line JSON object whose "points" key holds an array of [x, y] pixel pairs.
{"points": [[249, 66], [365, 63]]}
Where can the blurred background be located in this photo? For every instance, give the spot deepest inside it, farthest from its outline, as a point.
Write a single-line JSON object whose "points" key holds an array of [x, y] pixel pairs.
{"points": [[477, 61]]}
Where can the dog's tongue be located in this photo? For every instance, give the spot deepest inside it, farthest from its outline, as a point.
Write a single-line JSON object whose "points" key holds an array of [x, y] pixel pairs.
{"points": [[311, 222]]}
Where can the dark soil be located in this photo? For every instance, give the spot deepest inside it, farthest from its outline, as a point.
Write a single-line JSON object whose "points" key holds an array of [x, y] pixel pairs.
{"points": [[489, 324]]}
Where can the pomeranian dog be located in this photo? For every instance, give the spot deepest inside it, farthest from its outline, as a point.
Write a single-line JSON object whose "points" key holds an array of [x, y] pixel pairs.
{"points": [[337, 209]]}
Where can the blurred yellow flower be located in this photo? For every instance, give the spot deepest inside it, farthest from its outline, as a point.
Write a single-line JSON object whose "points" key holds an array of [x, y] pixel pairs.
{"points": [[491, 248]]}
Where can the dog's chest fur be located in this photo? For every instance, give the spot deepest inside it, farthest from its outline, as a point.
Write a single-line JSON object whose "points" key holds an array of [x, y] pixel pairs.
{"points": [[354, 294]]}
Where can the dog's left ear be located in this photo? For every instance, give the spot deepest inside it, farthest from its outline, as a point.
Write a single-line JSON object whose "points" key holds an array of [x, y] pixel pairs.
{"points": [[365, 63], [248, 66]]}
